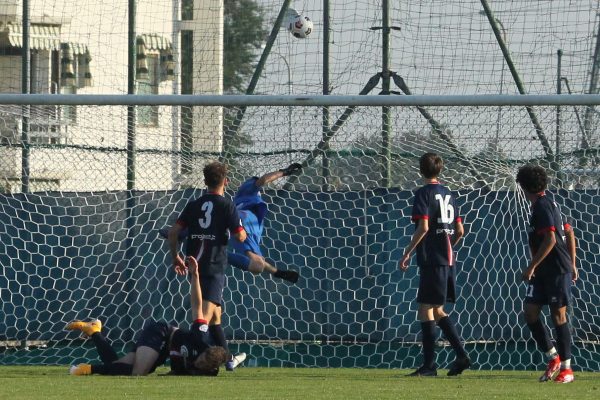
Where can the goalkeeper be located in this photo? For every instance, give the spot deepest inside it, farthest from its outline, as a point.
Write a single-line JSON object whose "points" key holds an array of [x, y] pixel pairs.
{"points": [[188, 351], [252, 210]]}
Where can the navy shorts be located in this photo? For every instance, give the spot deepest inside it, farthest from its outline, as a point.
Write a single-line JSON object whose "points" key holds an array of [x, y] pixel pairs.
{"points": [[436, 285], [554, 290], [156, 336], [212, 288]]}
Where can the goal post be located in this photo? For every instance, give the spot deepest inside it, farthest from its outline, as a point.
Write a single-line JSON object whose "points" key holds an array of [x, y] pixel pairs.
{"points": [[79, 244]]}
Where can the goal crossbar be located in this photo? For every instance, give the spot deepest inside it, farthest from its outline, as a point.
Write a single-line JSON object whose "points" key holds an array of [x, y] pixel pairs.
{"points": [[308, 100]]}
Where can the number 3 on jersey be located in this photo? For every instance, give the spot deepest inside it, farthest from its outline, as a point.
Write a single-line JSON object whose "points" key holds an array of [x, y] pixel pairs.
{"points": [[207, 208], [446, 209]]}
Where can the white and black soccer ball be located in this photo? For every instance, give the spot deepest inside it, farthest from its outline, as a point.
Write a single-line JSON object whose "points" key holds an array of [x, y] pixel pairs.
{"points": [[300, 26]]}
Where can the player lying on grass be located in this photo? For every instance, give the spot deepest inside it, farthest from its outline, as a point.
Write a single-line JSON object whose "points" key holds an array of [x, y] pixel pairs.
{"points": [[188, 351], [550, 273], [252, 210]]}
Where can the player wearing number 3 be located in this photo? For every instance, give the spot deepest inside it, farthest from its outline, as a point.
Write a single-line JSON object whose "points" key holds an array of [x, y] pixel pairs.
{"points": [[438, 228], [209, 221]]}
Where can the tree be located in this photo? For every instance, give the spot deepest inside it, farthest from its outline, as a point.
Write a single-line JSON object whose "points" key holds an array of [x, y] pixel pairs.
{"points": [[244, 33]]}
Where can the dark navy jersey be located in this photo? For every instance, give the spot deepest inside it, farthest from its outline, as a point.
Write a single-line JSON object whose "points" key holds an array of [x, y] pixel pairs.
{"points": [[209, 220], [435, 203], [546, 217], [186, 346]]}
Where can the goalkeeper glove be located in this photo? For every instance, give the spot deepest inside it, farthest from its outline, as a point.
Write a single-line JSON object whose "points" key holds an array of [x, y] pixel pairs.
{"points": [[291, 169]]}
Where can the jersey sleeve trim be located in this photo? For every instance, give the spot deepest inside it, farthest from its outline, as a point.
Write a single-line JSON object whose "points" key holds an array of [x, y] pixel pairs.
{"points": [[458, 219], [418, 217], [567, 227], [238, 229], [181, 223], [547, 229]]}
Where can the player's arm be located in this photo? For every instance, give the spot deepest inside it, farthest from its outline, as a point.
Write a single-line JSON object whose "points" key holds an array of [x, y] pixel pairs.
{"points": [[572, 247], [240, 235], [173, 239], [459, 232], [546, 246], [195, 290], [273, 176], [420, 232]]}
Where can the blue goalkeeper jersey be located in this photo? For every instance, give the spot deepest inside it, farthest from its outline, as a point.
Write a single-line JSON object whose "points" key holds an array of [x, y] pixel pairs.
{"points": [[248, 198]]}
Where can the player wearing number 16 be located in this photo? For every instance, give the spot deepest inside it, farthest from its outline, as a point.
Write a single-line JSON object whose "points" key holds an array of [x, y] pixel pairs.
{"points": [[438, 228], [210, 220]]}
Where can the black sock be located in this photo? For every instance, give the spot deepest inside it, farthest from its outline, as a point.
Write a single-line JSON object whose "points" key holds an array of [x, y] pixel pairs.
{"points": [[428, 340], [105, 351], [451, 335], [563, 341], [112, 369], [540, 335], [218, 336]]}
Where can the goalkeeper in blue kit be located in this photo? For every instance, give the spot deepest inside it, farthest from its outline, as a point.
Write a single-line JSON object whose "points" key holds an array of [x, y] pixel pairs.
{"points": [[252, 210]]}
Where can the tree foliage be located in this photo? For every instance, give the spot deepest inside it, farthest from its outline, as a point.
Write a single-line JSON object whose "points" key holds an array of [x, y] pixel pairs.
{"points": [[244, 33]]}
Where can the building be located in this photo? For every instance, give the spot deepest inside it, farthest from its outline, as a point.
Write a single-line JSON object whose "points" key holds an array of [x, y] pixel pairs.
{"points": [[82, 48]]}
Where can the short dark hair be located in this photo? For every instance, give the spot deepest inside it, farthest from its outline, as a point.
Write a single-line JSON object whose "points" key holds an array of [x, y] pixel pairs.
{"points": [[532, 178], [215, 174], [430, 165]]}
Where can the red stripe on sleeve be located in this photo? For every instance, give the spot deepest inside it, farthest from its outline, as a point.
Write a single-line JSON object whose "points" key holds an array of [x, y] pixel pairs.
{"points": [[201, 321], [458, 219], [238, 229], [567, 227], [544, 230], [417, 217]]}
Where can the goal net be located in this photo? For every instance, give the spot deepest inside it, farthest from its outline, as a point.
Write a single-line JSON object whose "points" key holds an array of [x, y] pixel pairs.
{"points": [[79, 244], [85, 185]]}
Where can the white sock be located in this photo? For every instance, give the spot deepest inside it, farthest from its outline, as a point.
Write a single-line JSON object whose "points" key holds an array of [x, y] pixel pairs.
{"points": [[566, 364], [551, 354]]}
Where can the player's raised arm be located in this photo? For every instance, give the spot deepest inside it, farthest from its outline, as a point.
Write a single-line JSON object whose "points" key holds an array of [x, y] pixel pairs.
{"points": [[273, 176], [195, 290], [173, 239], [572, 248]]}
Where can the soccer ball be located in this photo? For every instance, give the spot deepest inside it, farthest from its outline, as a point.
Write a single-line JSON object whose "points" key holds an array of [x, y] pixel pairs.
{"points": [[300, 26]]}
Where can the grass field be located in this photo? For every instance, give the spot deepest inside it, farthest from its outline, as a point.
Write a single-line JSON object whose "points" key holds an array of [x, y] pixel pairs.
{"points": [[30, 382]]}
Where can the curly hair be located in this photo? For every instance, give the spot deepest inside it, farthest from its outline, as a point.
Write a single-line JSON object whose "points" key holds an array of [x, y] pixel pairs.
{"points": [[430, 165], [214, 174], [532, 178], [215, 356]]}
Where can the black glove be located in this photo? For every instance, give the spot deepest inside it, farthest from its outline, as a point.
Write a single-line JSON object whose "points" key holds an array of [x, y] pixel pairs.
{"points": [[291, 169]]}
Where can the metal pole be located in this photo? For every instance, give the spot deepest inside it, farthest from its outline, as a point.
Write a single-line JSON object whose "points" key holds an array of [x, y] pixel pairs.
{"points": [[498, 121], [289, 84], [559, 176], [518, 82], [385, 112], [25, 89], [325, 110], [131, 67]]}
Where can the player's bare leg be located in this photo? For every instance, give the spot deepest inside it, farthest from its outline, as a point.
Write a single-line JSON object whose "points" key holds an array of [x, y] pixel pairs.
{"points": [[258, 264], [145, 357]]}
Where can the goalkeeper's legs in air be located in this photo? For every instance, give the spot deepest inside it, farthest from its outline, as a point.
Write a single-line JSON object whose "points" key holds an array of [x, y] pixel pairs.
{"points": [[257, 264]]}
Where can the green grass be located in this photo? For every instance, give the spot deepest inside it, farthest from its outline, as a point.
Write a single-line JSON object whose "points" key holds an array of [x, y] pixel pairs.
{"points": [[32, 382]]}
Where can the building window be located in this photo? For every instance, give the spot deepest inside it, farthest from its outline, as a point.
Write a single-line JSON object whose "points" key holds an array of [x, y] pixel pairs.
{"points": [[187, 10], [147, 83]]}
